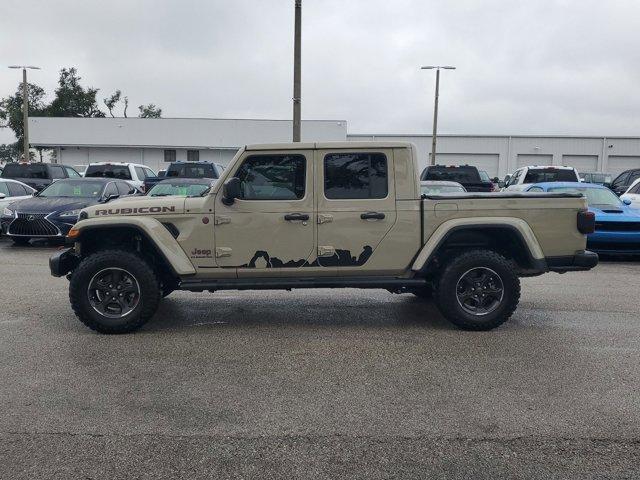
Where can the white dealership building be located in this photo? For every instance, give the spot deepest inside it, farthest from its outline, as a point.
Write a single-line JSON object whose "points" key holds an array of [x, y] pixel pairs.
{"points": [[155, 142]]}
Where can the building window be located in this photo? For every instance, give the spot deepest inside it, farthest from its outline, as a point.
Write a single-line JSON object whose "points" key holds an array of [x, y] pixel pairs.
{"points": [[169, 155], [355, 175], [193, 155]]}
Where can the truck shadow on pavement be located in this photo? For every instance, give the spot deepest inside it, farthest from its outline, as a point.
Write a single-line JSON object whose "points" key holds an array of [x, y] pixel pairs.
{"points": [[317, 310]]}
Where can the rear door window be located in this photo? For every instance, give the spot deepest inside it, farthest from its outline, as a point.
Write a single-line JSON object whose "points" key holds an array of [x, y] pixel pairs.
{"points": [[108, 171], [125, 189], [17, 190], [461, 174], [355, 176], [539, 175]]}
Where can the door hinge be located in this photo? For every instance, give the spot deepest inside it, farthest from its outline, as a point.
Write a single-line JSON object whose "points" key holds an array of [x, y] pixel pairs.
{"points": [[324, 218], [223, 252], [220, 219], [326, 251]]}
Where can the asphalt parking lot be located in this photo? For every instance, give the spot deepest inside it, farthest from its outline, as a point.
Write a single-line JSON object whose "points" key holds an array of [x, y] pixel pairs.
{"points": [[321, 384]]}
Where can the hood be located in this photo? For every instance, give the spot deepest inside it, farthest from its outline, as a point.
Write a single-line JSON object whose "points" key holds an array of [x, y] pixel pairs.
{"points": [[621, 213], [138, 205], [51, 204]]}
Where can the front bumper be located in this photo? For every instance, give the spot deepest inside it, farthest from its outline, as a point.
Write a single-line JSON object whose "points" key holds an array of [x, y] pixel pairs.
{"points": [[581, 260], [63, 262]]}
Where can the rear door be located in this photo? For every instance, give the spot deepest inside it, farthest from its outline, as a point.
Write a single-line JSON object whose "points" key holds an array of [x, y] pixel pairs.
{"points": [[356, 207]]}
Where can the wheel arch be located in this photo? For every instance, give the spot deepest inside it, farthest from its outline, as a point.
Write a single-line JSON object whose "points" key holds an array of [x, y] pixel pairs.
{"points": [[155, 240], [511, 237]]}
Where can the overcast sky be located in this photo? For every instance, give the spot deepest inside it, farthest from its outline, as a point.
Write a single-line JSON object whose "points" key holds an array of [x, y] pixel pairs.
{"points": [[530, 67]]}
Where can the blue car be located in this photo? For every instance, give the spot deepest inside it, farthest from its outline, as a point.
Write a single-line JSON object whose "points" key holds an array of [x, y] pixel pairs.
{"points": [[617, 225]]}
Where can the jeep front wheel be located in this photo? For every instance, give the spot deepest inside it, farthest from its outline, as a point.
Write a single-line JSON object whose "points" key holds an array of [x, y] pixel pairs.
{"points": [[114, 291], [478, 290]]}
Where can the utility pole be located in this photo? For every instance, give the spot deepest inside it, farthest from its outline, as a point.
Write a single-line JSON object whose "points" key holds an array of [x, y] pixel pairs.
{"points": [[435, 108], [296, 72], [25, 108]]}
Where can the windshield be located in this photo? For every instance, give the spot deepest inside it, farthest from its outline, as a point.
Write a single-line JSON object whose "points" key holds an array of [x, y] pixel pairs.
{"points": [[540, 175], [452, 174], [72, 189], [121, 172], [596, 197], [438, 189], [187, 170], [23, 170], [177, 188]]}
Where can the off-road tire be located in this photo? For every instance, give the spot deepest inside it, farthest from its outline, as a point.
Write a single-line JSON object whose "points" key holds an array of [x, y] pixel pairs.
{"points": [[150, 292], [21, 241], [446, 294]]}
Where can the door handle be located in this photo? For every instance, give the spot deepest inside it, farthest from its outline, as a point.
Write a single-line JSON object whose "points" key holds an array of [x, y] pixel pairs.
{"points": [[292, 217], [372, 216]]}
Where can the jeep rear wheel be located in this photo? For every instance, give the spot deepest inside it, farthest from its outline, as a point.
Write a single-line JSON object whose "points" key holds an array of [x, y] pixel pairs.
{"points": [[114, 291], [478, 290]]}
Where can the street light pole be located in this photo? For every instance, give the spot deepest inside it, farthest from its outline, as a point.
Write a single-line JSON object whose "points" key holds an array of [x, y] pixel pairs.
{"points": [[435, 108], [25, 108], [296, 72]]}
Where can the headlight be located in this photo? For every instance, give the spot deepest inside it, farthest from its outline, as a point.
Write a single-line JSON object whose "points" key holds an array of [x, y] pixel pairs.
{"points": [[70, 213], [7, 212]]}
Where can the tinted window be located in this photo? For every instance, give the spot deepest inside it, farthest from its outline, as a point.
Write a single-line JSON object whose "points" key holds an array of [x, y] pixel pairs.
{"points": [[272, 177], [73, 188], [23, 170], [57, 172], [463, 174], [633, 177], [140, 173], [71, 173], [621, 180], [539, 175], [188, 170], [125, 189], [109, 171], [4, 188], [17, 190], [355, 175]]}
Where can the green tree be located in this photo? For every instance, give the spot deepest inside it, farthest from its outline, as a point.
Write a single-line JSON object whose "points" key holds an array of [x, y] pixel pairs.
{"points": [[149, 111], [11, 115], [72, 99]]}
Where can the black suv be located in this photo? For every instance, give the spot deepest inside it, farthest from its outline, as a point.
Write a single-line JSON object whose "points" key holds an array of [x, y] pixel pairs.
{"points": [[185, 170], [623, 181], [467, 175], [38, 175]]}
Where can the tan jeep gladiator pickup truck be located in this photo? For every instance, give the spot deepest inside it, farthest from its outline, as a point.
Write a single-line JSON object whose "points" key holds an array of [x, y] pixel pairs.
{"points": [[321, 215]]}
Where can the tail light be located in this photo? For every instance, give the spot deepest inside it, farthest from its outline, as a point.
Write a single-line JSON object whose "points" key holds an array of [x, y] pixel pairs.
{"points": [[586, 222]]}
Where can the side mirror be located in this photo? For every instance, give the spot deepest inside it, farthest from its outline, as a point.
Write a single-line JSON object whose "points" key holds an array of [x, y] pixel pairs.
{"points": [[108, 198], [495, 180], [231, 190], [501, 184], [626, 201], [2, 196]]}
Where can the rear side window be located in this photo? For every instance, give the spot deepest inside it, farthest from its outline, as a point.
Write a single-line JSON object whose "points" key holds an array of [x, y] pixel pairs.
{"points": [[57, 172], [140, 173], [108, 171], [355, 176], [273, 177], [21, 170], [4, 188], [539, 175], [462, 174]]}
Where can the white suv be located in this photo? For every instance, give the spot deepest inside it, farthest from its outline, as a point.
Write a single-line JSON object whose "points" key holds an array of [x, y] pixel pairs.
{"points": [[525, 176], [134, 173]]}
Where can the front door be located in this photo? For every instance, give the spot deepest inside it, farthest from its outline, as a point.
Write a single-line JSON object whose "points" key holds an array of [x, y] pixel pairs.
{"points": [[356, 208], [269, 231]]}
